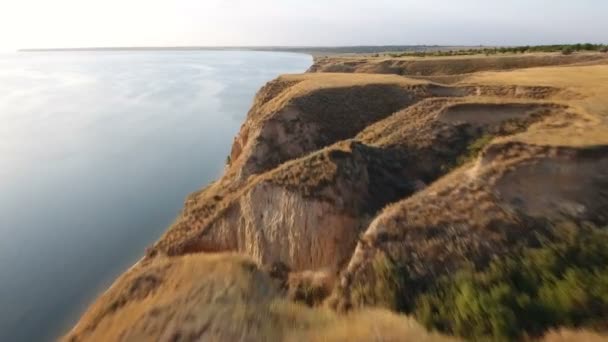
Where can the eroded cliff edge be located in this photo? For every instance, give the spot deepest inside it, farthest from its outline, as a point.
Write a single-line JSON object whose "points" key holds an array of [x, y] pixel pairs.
{"points": [[332, 172]]}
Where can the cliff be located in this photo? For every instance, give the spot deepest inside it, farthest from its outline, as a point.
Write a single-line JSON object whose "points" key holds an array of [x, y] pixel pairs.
{"points": [[338, 182]]}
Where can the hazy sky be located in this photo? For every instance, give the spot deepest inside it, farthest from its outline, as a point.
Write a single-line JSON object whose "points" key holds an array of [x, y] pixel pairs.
{"points": [[80, 23]]}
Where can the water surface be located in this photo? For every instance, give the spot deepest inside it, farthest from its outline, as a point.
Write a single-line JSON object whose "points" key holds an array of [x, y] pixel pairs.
{"points": [[97, 152]]}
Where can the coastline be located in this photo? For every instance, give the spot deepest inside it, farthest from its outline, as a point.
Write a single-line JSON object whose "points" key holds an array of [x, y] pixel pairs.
{"points": [[145, 155], [310, 50], [391, 161]]}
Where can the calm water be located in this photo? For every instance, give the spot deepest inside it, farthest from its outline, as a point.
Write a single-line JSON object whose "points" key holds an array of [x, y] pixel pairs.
{"points": [[97, 152]]}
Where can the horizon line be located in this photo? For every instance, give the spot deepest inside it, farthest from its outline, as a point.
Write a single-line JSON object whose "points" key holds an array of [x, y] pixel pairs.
{"points": [[242, 46]]}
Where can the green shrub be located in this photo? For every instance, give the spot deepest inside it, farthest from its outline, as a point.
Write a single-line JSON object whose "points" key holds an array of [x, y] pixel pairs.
{"points": [[478, 144], [472, 151], [561, 283], [384, 286], [567, 51], [564, 48]]}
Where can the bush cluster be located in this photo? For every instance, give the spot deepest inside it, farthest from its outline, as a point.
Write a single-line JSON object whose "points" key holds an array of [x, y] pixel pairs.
{"points": [[563, 48], [473, 149], [385, 285], [564, 282]]}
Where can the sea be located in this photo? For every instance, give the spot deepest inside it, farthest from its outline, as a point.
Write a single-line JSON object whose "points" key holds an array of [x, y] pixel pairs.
{"points": [[98, 150]]}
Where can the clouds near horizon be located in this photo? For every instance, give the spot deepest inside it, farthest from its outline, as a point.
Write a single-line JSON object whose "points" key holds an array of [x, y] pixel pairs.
{"points": [[84, 23]]}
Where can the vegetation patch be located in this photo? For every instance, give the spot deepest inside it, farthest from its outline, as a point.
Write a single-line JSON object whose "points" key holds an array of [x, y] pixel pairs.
{"points": [[565, 49], [473, 149], [564, 282], [385, 287]]}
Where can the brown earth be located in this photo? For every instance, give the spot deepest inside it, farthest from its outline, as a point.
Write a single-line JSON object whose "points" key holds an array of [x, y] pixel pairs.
{"points": [[330, 171]]}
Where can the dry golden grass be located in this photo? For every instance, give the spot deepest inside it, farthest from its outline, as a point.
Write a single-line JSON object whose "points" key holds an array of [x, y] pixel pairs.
{"points": [[589, 80], [448, 66], [183, 299], [370, 325], [565, 335], [224, 298], [276, 94]]}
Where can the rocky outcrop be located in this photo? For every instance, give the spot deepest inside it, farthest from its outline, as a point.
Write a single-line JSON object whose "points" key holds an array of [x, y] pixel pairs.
{"points": [[305, 220]]}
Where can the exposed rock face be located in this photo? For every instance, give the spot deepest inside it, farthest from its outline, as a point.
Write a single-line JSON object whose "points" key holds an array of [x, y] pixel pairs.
{"points": [[274, 221], [304, 214]]}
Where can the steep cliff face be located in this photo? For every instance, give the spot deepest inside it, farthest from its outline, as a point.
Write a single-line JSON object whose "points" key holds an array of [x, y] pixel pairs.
{"points": [[303, 214], [298, 114]]}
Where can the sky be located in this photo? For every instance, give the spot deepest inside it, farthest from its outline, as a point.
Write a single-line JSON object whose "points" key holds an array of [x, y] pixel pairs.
{"points": [[103, 23]]}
